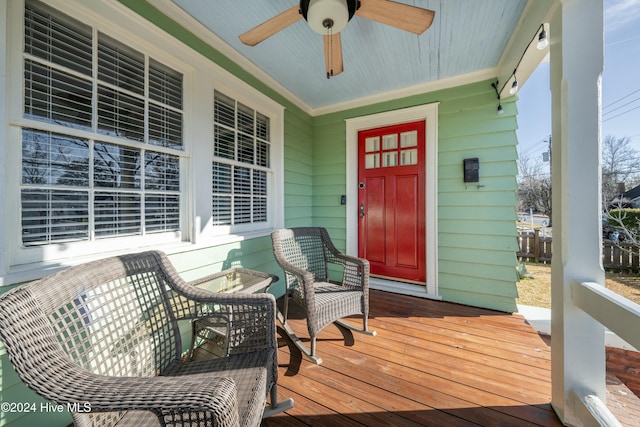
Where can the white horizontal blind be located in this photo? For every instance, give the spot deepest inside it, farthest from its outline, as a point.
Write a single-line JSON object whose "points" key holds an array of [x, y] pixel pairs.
{"points": [[55, 203], [76, 189], [241, 163]]}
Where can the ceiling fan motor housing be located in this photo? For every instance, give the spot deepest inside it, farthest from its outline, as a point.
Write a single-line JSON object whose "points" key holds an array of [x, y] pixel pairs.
{"points": [[325, 15]]}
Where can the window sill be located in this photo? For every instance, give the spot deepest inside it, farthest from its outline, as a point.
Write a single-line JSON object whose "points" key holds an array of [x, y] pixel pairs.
{"points": [[33, 271]]}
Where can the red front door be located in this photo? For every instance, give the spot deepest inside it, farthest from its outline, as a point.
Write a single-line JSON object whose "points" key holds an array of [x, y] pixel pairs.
{"points": [[391, 200]]}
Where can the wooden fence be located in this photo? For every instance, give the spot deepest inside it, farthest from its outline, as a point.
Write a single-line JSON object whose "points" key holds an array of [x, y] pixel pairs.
{"points": [[615, 255], [534, 247]]}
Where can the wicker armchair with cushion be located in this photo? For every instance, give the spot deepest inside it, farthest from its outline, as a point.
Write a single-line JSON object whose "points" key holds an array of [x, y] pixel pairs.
{"points": [[306, 254], [105, 336]]}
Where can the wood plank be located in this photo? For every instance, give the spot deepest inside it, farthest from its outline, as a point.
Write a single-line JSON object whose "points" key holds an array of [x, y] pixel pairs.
{"points": [[408, 411], [432, 363], [449, 342], [464, 367], [395, 380]]}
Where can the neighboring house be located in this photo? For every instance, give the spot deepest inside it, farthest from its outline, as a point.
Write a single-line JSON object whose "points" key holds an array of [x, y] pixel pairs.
{"points": [[628, 199], [128, 124]]}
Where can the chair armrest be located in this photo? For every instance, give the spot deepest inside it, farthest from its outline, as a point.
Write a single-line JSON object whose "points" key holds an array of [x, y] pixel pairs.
{"points": [[344, 258], [356, 270], [303, 276], [214, 397]]}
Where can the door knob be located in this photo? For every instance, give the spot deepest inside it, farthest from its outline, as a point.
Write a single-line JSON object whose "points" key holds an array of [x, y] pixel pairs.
{"points": [[361, 214]]}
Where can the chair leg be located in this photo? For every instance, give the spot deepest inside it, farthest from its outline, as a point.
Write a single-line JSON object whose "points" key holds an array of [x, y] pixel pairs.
{"points": [[193, 339], [277, 407], [285, 309], [313, 347], [310, 353]]}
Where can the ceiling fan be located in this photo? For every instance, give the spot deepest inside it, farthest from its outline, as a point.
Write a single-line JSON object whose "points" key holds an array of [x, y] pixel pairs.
{"points": [[329, 17]]}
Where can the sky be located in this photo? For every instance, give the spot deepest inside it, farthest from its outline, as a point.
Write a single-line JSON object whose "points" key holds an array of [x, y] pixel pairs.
{"points": [[620, 85]]}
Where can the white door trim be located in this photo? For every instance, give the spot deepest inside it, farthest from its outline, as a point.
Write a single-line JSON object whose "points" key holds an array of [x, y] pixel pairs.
{"points": [[428, 113]]}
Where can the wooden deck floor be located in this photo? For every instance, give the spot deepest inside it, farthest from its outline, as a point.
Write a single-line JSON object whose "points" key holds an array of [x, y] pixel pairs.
{"points": [[431, 364]]}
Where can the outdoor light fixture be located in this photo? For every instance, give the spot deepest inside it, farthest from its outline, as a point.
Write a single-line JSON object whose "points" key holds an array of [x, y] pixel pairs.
{"points": [[542, 39], [495, 87], [542, 43], [329, 15], [514, 86]]}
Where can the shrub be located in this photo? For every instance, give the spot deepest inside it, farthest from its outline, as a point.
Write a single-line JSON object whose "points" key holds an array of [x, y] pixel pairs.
{"points": [[625, 217]]}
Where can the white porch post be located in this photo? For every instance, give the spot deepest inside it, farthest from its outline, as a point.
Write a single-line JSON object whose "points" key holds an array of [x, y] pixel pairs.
{"points": [[4, 134], [578, 358]]}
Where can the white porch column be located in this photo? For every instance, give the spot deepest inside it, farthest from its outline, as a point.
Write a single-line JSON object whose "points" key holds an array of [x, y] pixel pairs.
{"points": [[578, 356], [4, 133]]}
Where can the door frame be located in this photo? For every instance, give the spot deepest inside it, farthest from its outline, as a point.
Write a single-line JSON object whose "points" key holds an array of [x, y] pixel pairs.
{"points": [[428, 113]]}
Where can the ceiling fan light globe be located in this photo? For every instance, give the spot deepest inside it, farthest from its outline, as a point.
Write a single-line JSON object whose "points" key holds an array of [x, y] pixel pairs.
{"points": [[322, 11]]}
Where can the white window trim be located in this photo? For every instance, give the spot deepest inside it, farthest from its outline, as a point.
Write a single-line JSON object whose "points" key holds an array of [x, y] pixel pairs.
{"points": [[112, 18], [275, 178], [429, 114]]}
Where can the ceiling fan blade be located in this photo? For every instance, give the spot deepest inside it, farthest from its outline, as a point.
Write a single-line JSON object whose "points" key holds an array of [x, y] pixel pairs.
{"points": [[403, 16], [333, 55], [271, 26]]}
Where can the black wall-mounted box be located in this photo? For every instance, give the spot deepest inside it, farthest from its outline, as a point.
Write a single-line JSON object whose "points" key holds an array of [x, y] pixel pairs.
{"points": [[471, 169]]}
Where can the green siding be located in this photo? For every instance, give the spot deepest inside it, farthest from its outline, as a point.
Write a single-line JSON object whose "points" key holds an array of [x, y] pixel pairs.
{"points": [[476, 226], [482, 271], [298, 168]]}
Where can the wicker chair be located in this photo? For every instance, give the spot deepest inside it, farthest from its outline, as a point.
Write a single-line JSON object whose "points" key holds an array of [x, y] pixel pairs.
{"points": [[306, 254], [104, 336]]}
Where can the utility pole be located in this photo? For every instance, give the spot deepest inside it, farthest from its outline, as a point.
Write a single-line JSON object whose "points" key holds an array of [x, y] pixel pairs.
{"points": [[546, 157]]}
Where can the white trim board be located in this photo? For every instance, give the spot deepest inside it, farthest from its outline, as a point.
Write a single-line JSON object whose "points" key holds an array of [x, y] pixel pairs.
{"points": [[428, 113]]}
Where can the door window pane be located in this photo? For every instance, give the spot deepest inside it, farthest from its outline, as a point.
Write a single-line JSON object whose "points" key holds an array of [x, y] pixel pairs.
{"points": [[390, 159], [389, 142], [372, 161], [409, 157], [409, 139], [372, 144]]}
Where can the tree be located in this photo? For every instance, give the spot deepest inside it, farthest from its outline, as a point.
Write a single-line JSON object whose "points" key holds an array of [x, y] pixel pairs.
{"points": [[620, 165], [534, 185]]}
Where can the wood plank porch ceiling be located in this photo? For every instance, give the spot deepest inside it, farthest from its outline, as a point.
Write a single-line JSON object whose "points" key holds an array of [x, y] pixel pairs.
{"points": [[431, 364]]}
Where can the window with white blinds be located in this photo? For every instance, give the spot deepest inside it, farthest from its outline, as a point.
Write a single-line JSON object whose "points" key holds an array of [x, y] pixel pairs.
{"points": [[241, 163], [123, 177]]}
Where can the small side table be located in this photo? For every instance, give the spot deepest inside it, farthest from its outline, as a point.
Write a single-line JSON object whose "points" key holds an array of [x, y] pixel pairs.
{"points": [[241, 280]]}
